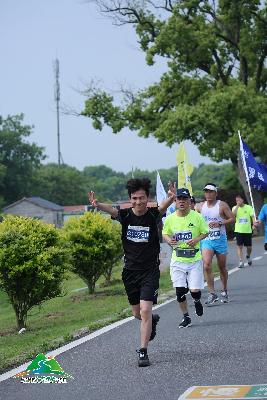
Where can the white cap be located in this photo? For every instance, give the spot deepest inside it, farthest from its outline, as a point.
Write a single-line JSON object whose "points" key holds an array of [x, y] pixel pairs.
{"points": [[210, 187]]}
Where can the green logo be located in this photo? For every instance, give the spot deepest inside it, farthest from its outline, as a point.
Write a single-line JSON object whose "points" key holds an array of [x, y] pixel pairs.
{"points": [[43, 370]]}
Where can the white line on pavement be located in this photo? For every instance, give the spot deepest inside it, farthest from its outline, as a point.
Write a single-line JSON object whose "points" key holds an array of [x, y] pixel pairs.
{"points": [[93, 335]]}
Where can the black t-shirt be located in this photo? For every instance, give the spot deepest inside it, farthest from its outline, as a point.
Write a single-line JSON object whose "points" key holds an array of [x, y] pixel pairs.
{"points": [[140, 238]]}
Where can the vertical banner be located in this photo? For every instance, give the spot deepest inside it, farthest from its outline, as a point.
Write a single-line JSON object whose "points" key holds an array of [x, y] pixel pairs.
{"points": [[184, 169]]}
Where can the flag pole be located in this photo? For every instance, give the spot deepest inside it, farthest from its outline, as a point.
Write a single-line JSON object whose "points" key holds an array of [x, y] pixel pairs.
{"points": [[246, 173]]}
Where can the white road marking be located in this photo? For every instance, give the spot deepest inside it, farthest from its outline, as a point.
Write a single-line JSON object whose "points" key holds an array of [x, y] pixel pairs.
{"points": [[91, 336]]}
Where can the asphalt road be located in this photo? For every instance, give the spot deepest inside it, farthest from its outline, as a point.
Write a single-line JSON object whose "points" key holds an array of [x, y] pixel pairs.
{"points": [[228, 345]]}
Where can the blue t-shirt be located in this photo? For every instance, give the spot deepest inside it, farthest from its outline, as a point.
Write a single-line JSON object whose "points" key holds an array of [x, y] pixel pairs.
{"points": [[263, 217]]}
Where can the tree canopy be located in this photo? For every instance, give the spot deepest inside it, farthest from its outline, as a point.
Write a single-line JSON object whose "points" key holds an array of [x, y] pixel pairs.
{"points": [[18, 158], [216, 80]]}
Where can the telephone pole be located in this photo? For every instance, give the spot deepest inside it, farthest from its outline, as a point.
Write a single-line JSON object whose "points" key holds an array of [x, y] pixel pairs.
{"points": [[57, 99]]}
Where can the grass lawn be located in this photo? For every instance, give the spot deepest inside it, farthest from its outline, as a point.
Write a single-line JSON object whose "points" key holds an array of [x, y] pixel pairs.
{"points": [[57, 320]]}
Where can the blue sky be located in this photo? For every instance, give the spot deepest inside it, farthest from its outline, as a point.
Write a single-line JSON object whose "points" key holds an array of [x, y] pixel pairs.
{"points": [[32, 34]]}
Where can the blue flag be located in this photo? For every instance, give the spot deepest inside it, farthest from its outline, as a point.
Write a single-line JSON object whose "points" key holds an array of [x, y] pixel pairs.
{"points": [[257, 172]]}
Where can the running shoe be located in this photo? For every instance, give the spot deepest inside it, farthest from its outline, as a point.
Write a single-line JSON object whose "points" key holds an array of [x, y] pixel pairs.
{"points": [[186, 321], [224, 297], [249, 260], [155, 320], [241, 264], [143, 360], [198, 308], [212, 298]]}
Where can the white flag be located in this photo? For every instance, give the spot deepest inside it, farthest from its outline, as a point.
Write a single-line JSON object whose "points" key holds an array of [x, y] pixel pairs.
{"points": [[160, 191]]}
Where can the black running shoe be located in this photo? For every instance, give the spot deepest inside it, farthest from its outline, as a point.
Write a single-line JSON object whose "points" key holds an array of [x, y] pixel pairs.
{"points": [[198, 308], [155, 320], [186, 321], [249, 260], [143, 360]]}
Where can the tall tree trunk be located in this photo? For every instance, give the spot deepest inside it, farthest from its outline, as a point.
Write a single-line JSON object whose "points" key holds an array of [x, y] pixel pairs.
{"points": [[91, 287], [107, 274], [21, 316]]}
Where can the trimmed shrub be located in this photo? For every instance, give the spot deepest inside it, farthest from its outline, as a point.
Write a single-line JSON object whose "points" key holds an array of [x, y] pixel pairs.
{"points": [[95, 245], [33, 261]]}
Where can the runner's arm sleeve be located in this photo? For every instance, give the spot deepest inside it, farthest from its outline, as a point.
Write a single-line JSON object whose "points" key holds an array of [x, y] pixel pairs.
{"points": [[261, 216], [121, 215], [166, 228]]}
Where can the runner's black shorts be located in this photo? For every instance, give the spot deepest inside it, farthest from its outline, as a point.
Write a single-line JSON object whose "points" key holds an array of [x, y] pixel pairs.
{"points": [[244, 239], [141, 284]]}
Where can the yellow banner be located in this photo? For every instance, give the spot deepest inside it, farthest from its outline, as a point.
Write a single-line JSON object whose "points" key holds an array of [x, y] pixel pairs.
{"points": [[184, 169]]}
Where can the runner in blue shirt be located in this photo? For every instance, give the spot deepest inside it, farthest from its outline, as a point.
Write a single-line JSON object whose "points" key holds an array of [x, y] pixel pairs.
{"points": [[263, 218]]}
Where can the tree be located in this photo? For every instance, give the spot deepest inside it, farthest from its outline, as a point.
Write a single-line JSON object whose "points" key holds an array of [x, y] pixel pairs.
{"points": [[18, 158], [62, 184], [223, 176], [2, 176], [95, 245], [33, 261], [216, 80]]}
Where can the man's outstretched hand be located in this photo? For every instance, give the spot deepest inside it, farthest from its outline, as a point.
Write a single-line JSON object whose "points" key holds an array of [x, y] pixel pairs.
{"points": [[92, 199]]}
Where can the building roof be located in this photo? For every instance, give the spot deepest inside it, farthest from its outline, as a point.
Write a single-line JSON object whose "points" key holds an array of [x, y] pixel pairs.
{"points": [[127, 204], [38, 201], [75, 208]]}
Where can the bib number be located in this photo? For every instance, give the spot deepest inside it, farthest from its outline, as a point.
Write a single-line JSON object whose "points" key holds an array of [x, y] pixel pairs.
{"points": [[214, 234], [138, 233], [182, 236], [243, 220]]}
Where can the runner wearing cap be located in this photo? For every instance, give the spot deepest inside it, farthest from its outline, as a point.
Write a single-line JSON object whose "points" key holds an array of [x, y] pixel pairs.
{"points": [[217, 214], [243, 228], [183, 230]]}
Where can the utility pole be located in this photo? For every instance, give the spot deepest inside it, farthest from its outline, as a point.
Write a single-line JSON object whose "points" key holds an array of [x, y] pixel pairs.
{"points": [[57, 99]]}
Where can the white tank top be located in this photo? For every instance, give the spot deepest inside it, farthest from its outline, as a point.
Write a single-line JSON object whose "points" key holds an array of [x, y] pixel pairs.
{"points": [[212, 214]]}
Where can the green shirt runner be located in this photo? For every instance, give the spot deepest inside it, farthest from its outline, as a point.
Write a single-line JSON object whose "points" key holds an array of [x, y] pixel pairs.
{"points": [[243, 219], [185, 228]]}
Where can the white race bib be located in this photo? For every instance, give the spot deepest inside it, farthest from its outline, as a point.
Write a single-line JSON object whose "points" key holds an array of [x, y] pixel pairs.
{"points": [[138, 233], [243, 220], [182, 236], [214, 233]]}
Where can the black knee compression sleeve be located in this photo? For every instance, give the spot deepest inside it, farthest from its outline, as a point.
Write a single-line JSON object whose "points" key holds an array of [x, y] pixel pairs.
{"points": [[180, 294], [196, 295]]}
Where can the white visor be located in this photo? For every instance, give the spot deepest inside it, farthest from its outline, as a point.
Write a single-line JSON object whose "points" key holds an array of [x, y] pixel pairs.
{"points": [[210, 187]]}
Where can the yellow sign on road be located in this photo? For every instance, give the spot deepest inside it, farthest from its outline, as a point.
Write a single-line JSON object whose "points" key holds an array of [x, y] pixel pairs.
{"points": [[230, 392]]}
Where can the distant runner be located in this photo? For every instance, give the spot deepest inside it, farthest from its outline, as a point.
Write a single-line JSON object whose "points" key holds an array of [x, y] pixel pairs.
{"points": [[243, 228], [217, 214], [263, 218], [193, 203], [141, 246], [183, 230]]}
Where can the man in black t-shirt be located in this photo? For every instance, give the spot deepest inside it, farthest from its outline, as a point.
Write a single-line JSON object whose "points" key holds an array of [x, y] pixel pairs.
{"points": [[141, 246]]}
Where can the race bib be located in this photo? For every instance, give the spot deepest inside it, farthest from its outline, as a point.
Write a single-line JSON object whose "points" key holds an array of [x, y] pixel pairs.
{"points": [[138, 233], [243, 220], [183, 236], [214, 233]]}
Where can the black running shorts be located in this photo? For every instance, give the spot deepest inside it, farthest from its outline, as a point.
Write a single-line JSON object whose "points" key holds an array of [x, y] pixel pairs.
{"points": [[244, 239], [141, 284]]}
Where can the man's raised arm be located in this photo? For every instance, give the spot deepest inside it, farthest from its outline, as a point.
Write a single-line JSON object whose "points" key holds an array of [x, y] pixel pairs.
{"points": [[102, 206]]}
